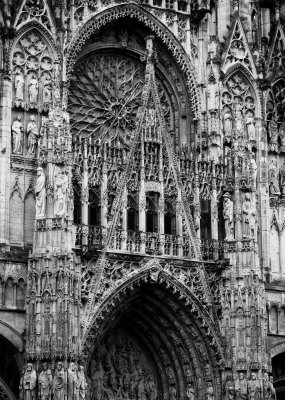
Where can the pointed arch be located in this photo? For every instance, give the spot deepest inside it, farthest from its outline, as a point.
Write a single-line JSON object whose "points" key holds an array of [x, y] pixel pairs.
{"points": [[151, 22]]}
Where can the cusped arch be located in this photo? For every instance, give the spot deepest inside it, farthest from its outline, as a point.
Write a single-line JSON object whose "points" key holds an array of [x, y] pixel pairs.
{"points": [[149, 21]]}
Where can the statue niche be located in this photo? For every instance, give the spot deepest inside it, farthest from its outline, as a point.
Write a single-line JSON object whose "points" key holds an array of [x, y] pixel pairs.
{"points": [[119, 367]]}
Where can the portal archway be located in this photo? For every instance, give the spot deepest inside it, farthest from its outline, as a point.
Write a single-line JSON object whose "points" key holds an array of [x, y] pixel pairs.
{"points": [[150, 344]]}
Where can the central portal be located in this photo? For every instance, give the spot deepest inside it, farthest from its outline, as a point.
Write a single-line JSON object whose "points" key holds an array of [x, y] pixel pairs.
{"points": [[122, 369]]}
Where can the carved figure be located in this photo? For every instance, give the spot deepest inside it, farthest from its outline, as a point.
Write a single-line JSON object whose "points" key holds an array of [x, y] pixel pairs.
{"points": [[72, 383], [209, 391], [241, 387], [228, 124], [40, 190], [228, 213], [190, 393], [47, 91], [248, 217], [267, 387], [239, 119], [82, 383], [273, 134], [282, 178], [58, 386], [273, 179], [28, 383], [45, 383], [252, 173], [17, 135], [273, 393], [254, 388], [250, 127], [229, 389], [33, 90], [19, 86], [60, 193], [33, 134]]}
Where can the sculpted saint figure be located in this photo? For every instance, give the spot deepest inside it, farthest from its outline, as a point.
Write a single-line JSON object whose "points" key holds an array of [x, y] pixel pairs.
{"points": [[282, 178], [273, 394], [40, 189], [252, 173], [82, 383], [273, 178], [19, 86], [45, 383], [254, 388], [60, 193], [209, 391], [71, 381], [228, 214], [228, 125], [267, 387], [58, 386], [190, 393], [33, 134], [47, 91], [229, 389], [282, 136], [273, 134], [17, 135], [33, 90], [241, 387], [250, 127], [248, 217], [28, 383]]}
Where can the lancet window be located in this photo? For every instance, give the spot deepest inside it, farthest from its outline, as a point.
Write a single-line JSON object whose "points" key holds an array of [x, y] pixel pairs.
{"points": [[94, 209], [152, 200], [132, 214], [170, 217]]}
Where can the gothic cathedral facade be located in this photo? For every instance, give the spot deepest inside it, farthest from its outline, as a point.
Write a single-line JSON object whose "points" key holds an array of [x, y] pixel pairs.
{"points": [[142, 200]]}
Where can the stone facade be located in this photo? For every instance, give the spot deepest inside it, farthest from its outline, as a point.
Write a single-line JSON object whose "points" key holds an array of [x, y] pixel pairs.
{"points": [[142, 200]]}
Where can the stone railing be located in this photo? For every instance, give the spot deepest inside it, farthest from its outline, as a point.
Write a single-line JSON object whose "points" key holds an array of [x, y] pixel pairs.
{"points": [[151, 243]]}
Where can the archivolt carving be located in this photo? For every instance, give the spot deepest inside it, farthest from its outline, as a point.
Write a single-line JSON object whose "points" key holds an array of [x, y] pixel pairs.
{"points": [[167, 38], [5, 392]]}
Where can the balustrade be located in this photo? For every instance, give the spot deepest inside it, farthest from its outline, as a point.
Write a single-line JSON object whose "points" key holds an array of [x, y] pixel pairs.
{"points": [[151, 243]]}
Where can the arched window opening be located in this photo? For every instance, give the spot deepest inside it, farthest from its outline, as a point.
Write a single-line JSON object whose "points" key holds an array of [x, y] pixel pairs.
{"points": [[20, 294], [77, 204], [205, 221], [152, 199], [221, 221], [170, 217], [132, 214], [94, 217], [273, 320], [278, 372]]}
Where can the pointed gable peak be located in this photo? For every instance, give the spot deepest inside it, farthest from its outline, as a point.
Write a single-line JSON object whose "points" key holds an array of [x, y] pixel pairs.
{"points": [[276, 57], [237, 49], [35, 10]]}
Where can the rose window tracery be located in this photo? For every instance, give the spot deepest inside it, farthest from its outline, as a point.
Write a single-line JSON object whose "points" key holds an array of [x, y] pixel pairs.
{"points": [[105, 95]]}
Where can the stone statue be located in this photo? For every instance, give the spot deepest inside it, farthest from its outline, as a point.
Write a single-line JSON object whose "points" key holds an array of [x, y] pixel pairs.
{"points": [[45, 383], [282, 179], [252, 173], [239, 124], [282, 136], [33, 134], [254, 388], [28, 383], [33, 90], [19, 86], [228, 213], [241, 387], [229, 389], [273, 134], [248, 217], [82, 383], [60, 193], [273, 179], [228, 124], [209, 391], [273, 393], [47, 91], [17, 135], [250, 127], [40, 190], [58, 385], [190, 393], [267, 387], [72, 381]]}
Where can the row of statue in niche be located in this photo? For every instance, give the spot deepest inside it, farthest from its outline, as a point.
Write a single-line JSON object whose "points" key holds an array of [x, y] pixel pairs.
{"points": [[250, 389], [33, 135], [62, 384], [31, 93], [248, 217]]}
